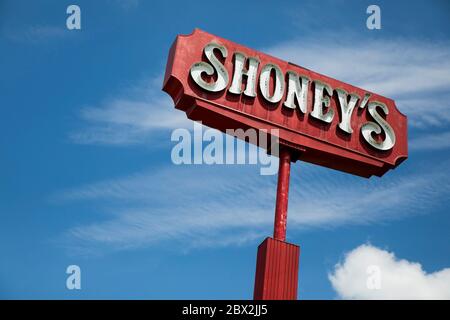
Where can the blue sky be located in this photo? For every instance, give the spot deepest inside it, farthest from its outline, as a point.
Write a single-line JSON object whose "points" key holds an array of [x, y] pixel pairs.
{"points": [[87, 179]]}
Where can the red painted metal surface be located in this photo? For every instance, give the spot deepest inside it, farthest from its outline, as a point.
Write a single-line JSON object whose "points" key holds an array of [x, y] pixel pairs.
{"points": [[276, 271], [321, 143], [281, 206]]}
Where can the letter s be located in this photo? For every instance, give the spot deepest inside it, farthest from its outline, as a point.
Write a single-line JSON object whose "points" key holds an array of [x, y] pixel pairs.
{"points": [[371, 127], [199, 67]]}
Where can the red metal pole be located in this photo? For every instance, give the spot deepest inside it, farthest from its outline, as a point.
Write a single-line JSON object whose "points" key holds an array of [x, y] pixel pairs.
{"points": [[277, 261], [284, 169]]}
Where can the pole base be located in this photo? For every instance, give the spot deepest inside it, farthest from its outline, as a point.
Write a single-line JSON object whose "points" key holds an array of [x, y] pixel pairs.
{"points": [[276, 270]]}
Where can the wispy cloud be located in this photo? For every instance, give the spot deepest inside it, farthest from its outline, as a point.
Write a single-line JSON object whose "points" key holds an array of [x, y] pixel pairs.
{"points": [[36, 33], [431, 141], [208, 205], [127, 4], [130, 117], [427, 111]]}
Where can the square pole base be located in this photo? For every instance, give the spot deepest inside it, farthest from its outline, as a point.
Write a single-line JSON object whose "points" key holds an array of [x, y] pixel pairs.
{"points": [[276, 270]]}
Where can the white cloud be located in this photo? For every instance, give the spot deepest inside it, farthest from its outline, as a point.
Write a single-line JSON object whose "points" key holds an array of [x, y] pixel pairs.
{"points": [[398, 279], [414, 73]]}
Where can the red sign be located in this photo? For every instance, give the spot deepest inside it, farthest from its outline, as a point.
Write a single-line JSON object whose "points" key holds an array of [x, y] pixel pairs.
{"points": [[329, 122]]}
